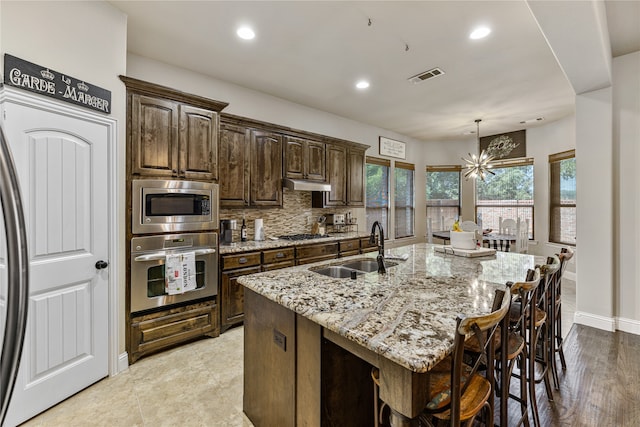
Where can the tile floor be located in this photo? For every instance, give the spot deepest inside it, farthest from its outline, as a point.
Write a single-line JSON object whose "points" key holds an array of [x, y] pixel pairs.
{"points": [[197, 384]]}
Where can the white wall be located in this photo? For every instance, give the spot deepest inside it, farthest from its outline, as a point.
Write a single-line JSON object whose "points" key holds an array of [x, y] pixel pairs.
{"points": [[594, 166], [87, 40], [626, 142]]}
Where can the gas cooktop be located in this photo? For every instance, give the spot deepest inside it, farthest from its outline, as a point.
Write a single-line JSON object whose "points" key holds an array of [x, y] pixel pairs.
{"points": [[302, 236]]}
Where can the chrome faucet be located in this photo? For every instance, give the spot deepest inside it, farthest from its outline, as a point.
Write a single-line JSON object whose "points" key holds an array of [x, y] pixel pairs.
{"points": [[372, 240]]}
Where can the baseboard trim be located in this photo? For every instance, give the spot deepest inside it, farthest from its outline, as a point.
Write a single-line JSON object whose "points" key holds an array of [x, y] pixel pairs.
{"points": [[123, 362], [595, 321], [628, 325]]}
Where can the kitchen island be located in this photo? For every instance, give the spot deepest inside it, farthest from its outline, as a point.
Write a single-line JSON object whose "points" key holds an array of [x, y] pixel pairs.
{"points": [[310, 340]]}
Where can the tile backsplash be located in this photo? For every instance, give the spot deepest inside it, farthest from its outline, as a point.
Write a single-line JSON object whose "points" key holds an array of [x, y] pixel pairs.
{"points": [[295, 216]]}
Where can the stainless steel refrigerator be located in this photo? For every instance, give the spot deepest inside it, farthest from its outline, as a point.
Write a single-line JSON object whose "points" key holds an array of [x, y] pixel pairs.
{"points": [[17, 276]]}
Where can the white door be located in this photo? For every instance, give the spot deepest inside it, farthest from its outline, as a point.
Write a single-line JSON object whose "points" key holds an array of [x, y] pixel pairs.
{"points": [[62, 164]]}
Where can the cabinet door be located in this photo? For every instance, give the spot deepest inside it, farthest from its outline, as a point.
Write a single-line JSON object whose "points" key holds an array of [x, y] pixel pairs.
{"points": [[198, 149], [337, 176], [315, 160], [266, 169], [154, 136], [234, 166], [232, 296], [355, 183], [294, 158]]}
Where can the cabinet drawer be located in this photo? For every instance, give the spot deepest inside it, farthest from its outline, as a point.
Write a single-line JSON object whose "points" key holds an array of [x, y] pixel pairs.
{"points": [[316, 250], [349, 253], [310, 260], [157, 331], [247, 259], [350, 245], [364, 243], [277, 255], [278, 265]]}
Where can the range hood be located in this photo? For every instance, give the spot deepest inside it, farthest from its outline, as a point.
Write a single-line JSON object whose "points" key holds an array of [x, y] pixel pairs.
{"points": [[305, 185]]}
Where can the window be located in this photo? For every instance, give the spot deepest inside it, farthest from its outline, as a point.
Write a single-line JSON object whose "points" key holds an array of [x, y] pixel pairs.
{"points": [[404, 199], [562, 198], [443, 194], [377, 207], [506, 195]]}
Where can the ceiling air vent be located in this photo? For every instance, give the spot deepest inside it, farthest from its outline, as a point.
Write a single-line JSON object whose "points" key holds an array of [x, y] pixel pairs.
{"points": [[435, 72]]}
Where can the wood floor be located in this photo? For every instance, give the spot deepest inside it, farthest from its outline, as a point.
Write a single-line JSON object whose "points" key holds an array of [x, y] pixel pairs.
{"points": [[601, 386]]}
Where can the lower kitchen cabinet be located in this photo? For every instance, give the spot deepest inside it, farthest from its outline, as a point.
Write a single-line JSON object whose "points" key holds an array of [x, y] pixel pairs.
{"points": [[365, 246], [152, 332], [232, 296], [349, 247], [316, 252]]}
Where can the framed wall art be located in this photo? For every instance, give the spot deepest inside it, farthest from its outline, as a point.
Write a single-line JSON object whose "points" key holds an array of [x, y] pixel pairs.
{"points": [[509, 145], [392, 148]]}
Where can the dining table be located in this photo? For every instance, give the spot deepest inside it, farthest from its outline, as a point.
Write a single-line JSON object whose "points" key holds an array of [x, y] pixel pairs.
{"points": [[401, 322], [497, 241]]}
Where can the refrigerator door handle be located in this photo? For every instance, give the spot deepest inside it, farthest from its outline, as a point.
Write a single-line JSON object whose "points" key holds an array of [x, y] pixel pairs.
{"points": [[17, 276]]}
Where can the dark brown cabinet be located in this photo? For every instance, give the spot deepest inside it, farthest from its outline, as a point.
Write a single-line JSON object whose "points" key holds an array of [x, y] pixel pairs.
{"points": [[266, 168], [304, 159], [345, 173], [250, 166], [232, 296], [355, 180], [171, 139], [234, 165], [156, 331], [316, 252]]}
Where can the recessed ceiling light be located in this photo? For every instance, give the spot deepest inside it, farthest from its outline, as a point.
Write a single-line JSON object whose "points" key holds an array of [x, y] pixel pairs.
{"points": [[362, 84], [245, 33], [537, 119], [479, 33]]}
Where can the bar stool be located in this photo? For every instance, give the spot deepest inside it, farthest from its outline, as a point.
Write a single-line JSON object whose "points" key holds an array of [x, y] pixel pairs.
{"points": [[556, 339], [458, 393], [515, 351]]}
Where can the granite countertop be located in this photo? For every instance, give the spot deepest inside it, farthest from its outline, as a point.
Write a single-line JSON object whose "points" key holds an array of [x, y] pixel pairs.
{"points": [[251, 245], [407, 315]]}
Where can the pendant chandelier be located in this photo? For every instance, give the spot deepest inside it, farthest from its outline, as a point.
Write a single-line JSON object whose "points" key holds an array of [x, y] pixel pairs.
{"points": [[478, 166]]}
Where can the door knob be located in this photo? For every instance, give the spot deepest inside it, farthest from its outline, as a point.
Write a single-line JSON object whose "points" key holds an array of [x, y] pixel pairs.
{"points": [[101, 264]]}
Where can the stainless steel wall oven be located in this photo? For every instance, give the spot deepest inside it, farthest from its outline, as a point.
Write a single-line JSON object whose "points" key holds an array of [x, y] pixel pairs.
{"points": [[148, 264]]}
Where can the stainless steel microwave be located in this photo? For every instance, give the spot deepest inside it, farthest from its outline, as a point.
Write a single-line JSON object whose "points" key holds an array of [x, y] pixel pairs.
{"points": [[168, 206]]}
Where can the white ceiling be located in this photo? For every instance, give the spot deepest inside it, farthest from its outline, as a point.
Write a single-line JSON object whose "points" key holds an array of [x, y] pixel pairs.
{"points": [[313, 52]]}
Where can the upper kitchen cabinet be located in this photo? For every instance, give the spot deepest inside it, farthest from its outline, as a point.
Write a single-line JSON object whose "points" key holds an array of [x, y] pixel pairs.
{"points": [[234, 165], [250, 165], [355, 180], [171, 133], [266, 168], [345, 173], [304, 159], [198, 143]]}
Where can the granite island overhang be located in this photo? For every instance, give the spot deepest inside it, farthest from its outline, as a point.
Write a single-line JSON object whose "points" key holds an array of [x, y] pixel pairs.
{"points": [[401, 322]]}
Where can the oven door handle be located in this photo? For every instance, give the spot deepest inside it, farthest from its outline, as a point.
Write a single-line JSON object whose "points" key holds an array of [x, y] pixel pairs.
{"points": [[156, 256]]}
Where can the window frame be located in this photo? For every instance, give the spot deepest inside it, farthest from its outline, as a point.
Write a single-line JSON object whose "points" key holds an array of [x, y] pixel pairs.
{"points": [[406, 167], [443, 168], [525, 161], [555, 200], [384, 163]]}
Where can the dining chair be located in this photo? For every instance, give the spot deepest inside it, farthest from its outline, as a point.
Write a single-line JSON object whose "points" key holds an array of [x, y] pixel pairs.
{"points": [[508, 226], [469, 226], [458, 392], [515, 352], [429, 231], [522, 236], [564, 256]]}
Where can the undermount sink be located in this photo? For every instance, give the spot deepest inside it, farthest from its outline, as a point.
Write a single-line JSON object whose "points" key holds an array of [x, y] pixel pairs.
{"points": [[367, 265], [337, 271], [359, 266]]}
